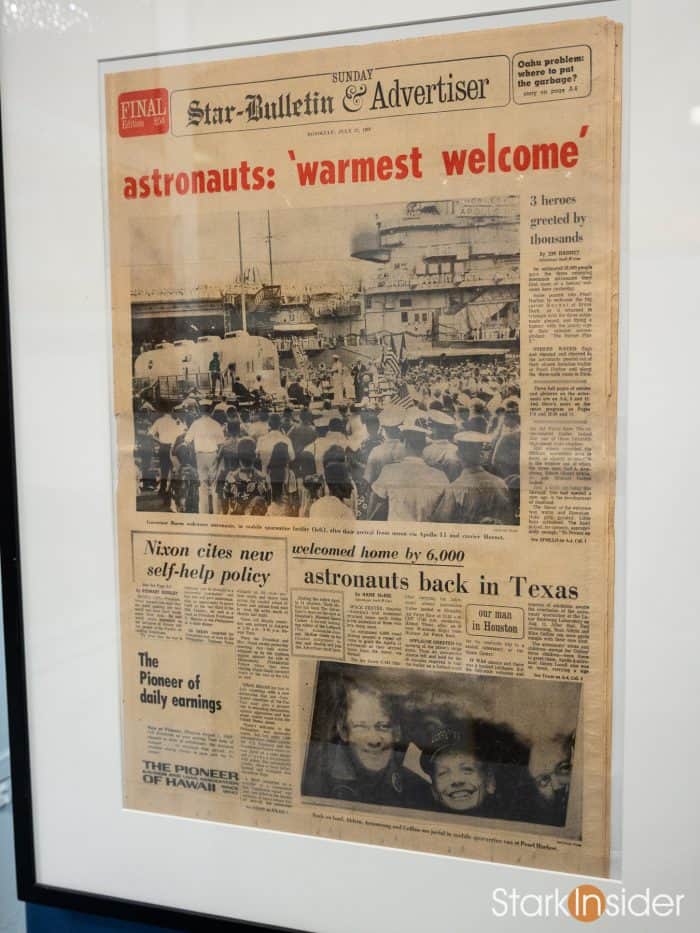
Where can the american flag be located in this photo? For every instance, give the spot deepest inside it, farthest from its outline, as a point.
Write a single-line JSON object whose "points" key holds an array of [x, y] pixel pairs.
{"points": [[390, 362], [401, 398]]}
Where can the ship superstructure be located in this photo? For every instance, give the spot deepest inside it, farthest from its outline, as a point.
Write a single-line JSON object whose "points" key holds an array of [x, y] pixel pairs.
{"points": [[448, 272]]}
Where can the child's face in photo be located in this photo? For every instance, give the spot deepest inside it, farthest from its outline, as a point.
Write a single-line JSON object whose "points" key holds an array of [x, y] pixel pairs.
{"points": [[460, 781]]}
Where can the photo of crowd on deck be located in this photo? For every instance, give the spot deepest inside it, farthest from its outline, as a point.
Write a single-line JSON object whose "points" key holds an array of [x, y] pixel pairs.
{"points": [[461, 744], [395, 401], [445, 450]]}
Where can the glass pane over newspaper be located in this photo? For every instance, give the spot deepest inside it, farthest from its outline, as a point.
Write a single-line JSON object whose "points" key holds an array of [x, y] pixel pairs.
{"points": [[364, 330]]}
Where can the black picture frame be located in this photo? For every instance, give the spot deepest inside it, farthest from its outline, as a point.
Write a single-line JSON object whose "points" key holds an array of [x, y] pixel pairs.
{"points": [[29, 888]]}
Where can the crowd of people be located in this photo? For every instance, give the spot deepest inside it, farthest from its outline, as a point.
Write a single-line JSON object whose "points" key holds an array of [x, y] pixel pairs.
{"points": [[373, 747], [436, 442]]}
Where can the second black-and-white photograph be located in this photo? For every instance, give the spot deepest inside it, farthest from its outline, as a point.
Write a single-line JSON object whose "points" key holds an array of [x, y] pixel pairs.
{"points": [[341, 364], [461, 744]]}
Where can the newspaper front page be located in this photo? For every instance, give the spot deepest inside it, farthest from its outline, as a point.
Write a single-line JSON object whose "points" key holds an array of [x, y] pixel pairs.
{"points": [[364, 331]]}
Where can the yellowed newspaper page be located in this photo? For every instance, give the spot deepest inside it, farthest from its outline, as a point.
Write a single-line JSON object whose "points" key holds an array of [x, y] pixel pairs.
{"points": [[364, 329]]}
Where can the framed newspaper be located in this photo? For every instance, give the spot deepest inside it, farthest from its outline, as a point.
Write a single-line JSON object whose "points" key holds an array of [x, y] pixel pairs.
{"points": [[361, 380]]}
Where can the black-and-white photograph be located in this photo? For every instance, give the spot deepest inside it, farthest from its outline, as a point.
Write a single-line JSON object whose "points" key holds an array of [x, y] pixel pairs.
{"points": [[462, 744], [341, 364]]}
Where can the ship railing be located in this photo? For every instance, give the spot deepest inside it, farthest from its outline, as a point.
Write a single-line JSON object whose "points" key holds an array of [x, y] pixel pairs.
{"points": [[440, 279]]}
